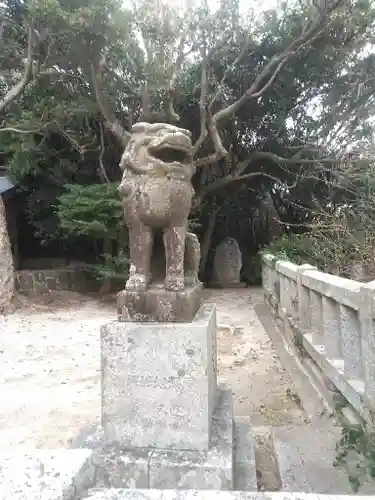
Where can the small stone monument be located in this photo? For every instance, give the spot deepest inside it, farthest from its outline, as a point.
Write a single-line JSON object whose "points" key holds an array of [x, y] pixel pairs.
{"points": [[228, 264]]}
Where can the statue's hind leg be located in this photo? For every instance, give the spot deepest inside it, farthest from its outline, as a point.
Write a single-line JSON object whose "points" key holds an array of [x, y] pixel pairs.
{"points": [[192, 259], [174, 244]]}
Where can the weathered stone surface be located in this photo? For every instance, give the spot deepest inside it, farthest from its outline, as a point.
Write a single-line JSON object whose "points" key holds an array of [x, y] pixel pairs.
{"points": [[245, 477], [159, 382], [7, 284], [212, 469], [157, 194], [228, 264], [118, 468], [45, 474], [158, 304]]}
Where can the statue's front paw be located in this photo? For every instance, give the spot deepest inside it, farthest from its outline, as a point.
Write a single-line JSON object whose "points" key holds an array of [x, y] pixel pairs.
{"points": [[191, 279], [137, 283], [174, 283]]}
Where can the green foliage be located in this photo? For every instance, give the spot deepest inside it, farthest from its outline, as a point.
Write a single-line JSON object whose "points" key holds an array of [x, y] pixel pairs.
{"points": [[293, 247], [341, 235], [355, 453], [94, 211], [112, 267]]}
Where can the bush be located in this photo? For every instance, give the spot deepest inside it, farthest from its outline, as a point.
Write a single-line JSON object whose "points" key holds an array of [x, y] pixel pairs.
{"points": [[94, 212]]}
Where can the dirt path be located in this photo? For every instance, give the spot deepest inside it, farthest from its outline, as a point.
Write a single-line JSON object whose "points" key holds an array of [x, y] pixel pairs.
{"points": [[50, 360]]}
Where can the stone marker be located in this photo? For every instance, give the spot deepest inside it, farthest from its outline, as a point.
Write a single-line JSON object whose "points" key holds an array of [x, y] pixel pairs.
{"points": [[228, 264]]}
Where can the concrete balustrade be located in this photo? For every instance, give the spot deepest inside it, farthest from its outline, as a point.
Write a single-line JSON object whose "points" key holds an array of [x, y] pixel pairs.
{"points": [[335, 318]]}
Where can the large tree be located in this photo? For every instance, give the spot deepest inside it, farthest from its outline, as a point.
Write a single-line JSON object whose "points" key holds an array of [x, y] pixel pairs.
{"points": [[77, 74]]}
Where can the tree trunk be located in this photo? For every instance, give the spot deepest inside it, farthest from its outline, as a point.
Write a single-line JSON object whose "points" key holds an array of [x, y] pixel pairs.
{"points": [[107, 282], [207, 239], [7, 281]]}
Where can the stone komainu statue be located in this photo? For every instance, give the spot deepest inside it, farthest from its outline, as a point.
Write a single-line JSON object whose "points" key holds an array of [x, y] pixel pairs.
{"points": [[157, 194]]}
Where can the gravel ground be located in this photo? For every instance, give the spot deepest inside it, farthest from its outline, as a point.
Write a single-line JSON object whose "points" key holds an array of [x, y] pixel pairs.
{"points": [[50, 364]]}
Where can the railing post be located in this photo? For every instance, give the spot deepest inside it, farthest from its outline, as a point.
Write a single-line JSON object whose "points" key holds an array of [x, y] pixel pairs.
{"points": [[269, 275], [316, 318], [282, 290], [367, 328], [350, 343], [331, 328], [303, 298]]}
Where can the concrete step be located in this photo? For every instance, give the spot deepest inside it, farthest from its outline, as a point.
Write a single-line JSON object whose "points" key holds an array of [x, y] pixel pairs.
{"points": [[290, 465], [245, 478], [305, 455]]}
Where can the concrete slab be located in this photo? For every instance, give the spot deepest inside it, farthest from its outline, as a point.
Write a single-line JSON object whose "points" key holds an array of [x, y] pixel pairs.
{"points": [[291, 468], [214, 495], [45, 474]]}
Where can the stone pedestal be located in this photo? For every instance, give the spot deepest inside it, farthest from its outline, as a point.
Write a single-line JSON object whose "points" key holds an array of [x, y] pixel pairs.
{"points": [[158, 305], [165, 422], [159, 382]]}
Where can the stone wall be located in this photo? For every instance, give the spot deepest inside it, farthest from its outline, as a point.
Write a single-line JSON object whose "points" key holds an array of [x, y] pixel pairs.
{"points": [[332, 320], [34, 282]]}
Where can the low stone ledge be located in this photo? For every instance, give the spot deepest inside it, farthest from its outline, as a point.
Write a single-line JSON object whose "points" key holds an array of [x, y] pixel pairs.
{"points": [[116, 494], [35, 282]]}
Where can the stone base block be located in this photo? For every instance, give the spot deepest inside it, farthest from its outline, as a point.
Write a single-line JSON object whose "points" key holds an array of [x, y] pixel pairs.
{"points": [[159, 383], [119, 468], [158, 305], [116, 467], [211, 470]]}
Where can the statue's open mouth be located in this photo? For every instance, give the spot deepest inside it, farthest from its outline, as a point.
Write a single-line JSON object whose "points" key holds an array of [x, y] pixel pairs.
{"points": [[169, 154], [171, 150]]}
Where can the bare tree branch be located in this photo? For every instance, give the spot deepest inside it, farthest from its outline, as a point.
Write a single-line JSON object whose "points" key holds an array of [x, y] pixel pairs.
{"points": [[263, 155], [101, 170], [227, 70], [111, 121], [169, 106], [202, 104], [19, 131], [17, 90], [268, 74]]}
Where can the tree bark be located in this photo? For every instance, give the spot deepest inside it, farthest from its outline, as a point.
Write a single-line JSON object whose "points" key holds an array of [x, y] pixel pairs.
{"points": [[7, 280], [207, 239]]}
